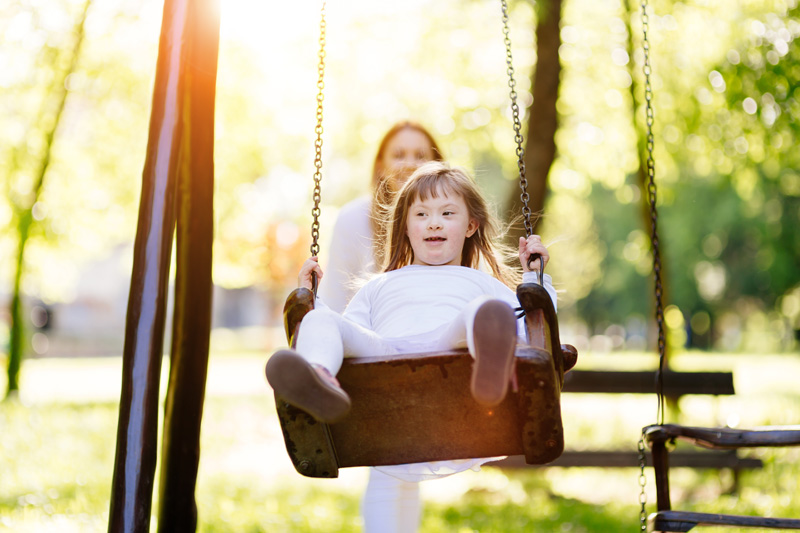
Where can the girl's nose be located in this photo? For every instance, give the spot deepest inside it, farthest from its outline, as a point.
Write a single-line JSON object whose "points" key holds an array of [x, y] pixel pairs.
{"points": [[433, 223]]}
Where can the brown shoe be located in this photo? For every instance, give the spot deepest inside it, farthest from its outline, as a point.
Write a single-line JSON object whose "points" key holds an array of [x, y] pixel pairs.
{"points": [[309, 387], [495, 338]]}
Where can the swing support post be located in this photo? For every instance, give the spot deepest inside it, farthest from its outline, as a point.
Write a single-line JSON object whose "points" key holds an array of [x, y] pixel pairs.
{"points": [[177, 183]]}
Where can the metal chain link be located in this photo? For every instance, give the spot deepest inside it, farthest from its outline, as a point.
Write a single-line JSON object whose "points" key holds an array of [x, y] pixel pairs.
{"points": [[642, 484], [512, 84], [651, 190], [315, 211]]}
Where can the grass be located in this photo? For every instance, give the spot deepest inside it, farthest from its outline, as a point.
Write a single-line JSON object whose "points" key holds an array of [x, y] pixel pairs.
{"points": [[57, 454]]}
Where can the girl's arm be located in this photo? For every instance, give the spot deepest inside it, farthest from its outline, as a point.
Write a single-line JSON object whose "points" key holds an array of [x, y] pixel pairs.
{"points": [[304, 278], [528, 247]]}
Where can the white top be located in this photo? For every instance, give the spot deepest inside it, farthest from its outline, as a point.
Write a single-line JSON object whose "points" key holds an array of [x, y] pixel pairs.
{"points": [[350, 256], [418, 300]]}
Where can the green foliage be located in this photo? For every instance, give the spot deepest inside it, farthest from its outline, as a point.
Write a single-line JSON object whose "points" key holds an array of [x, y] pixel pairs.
{"points": [[726, 120], [739, 181], [726, 171], [88, 201]]}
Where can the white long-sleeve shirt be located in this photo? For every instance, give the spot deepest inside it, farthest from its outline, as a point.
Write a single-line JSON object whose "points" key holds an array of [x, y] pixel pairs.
{"points": [[416, 301]]}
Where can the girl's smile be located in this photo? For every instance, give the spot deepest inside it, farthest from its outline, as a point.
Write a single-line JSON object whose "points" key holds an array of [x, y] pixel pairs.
{"points": [[437, 228]]}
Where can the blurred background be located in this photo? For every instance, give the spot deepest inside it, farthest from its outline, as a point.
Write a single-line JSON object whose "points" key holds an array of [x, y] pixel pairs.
{"points": [[73, 132]]}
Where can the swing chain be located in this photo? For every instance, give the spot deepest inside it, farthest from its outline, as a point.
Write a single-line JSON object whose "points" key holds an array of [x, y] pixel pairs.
{"points": [[642, 484], [315, 211], [651, 190], [512, 84]]}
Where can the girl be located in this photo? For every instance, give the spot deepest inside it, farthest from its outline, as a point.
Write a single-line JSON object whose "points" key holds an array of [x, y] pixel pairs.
{"points": [[431, 296], [354, 249], [355, 252]]}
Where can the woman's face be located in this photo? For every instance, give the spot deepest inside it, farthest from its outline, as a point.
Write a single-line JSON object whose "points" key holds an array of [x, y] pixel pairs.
{"points": [[404, 152]]}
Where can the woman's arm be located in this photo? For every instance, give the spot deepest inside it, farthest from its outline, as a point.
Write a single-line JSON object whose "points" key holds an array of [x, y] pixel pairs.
{"points": [[349, 254]]}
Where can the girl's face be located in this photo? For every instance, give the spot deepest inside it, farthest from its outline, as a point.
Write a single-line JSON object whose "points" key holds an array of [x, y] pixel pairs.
{"points": [[437, 228], [404, 152]]}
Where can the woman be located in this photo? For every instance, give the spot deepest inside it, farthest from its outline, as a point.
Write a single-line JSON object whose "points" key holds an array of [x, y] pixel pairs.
{"points": [[352, 253], [390, 505]]}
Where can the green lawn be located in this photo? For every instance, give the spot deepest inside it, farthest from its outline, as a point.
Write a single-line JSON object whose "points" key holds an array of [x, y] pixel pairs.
{"points": [[57, 453]]}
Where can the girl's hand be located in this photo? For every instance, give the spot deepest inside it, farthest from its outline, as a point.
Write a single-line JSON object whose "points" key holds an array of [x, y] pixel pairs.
{"points": [[304, 278], [528, 247]]}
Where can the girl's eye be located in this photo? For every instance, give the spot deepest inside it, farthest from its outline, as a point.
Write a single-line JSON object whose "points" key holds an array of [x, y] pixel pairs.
{"points": [[447, 213]]}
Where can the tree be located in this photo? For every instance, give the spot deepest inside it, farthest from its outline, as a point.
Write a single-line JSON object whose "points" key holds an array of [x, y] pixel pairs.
{"points": [[540, 144], [741, 132], [25, 205], [725, 121]]}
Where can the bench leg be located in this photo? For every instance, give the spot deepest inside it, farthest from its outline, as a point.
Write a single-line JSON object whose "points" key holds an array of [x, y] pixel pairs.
{"points": [[661, 467]]}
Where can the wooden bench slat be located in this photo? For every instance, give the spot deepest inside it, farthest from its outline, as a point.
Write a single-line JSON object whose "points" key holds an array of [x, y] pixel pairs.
{"points": [[644, 382], [630, 458], [684, 521], [726, 438]]}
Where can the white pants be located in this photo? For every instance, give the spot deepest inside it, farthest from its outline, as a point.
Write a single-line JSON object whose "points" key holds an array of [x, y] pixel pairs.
{"points": [[390, 505], [326, 337]]}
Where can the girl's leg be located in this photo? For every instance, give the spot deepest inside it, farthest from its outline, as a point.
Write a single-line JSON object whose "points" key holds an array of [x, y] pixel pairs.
{"points": [[459, 333], [488, 328], [390, 505], [326, 337], [319, 341], [304, 378]]}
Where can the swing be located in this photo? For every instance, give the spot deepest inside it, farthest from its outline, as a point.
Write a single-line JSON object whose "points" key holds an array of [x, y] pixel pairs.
{"points": [[660, 436], [397, 399]]}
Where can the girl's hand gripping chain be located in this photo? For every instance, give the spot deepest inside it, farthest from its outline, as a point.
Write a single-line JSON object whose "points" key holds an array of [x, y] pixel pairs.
{"points": [[304, 278], [530, 246]]}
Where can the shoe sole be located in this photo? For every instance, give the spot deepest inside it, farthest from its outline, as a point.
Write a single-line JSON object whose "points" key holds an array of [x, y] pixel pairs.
{"points": [[295, 380], [495, 336]]}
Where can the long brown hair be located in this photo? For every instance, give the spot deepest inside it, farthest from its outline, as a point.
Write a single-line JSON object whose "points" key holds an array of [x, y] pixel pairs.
{"points": [[377, 175], [382, 183], [431, 180]]}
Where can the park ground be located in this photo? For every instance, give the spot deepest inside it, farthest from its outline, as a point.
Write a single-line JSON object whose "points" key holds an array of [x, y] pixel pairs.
{"points": [[57, 452]]}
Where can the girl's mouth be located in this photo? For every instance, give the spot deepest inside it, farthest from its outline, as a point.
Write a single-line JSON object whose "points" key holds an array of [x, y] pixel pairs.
{"points": [[435, 239]]}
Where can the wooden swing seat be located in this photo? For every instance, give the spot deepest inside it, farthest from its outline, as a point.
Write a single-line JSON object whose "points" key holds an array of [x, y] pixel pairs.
{"points": [[418, 407], [659, 436]]}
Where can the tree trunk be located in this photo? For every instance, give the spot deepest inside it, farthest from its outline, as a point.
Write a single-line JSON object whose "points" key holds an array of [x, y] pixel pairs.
{"points": [[540, 146], [16, 345]]}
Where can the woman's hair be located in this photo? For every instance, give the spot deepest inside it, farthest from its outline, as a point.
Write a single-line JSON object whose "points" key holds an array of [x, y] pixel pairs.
{"points": [[382, 183], [431, 180], [377, 175]]}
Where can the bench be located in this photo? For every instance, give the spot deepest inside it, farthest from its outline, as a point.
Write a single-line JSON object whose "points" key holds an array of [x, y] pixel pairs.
{"points": [[726, 439], [676, 384]]}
